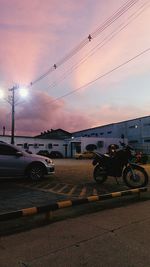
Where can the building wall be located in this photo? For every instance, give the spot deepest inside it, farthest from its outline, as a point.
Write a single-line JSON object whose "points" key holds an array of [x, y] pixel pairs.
{"points": [[36, 144], [137, 131], [101, 143]]}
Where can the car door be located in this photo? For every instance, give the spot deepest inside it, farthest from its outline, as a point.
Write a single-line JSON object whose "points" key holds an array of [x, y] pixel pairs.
{"points": [[10, 163]]}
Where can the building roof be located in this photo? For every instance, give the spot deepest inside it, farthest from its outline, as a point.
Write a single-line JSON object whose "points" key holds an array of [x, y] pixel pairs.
{"points": [[100, 126], [54, 134]]}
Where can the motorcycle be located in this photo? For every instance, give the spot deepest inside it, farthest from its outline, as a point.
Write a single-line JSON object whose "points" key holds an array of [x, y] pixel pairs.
{"points": [[117, 163]]}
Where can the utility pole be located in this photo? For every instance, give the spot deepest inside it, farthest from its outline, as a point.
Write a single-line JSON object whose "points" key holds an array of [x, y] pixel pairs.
{"points": [[3, 130], [12, 101], [13, 113]]}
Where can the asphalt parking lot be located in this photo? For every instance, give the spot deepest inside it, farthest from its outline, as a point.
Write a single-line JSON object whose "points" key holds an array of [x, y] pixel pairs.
{"points": [[74, 171], [72, 179]]}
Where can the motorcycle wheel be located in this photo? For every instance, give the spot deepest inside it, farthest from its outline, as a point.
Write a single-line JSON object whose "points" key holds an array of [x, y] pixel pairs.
{"points": [[139, 179], [99, 174]]}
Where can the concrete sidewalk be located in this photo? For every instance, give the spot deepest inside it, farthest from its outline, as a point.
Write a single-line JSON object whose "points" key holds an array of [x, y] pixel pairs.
{"points": [[119, 237]]}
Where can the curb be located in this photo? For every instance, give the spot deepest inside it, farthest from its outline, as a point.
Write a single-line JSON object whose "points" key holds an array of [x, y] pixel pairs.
{"points": [[67, 203]]}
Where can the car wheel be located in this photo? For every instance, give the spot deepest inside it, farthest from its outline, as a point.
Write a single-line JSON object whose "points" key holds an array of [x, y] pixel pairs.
{"points": [[36, 172]]}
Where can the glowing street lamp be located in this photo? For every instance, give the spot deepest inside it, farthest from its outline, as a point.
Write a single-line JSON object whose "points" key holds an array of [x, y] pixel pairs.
{"points": [[23, 92], [12, 101], [1, 94]]}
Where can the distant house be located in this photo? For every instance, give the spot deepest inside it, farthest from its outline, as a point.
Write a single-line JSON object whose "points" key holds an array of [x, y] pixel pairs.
{"points": [[54, 134]]}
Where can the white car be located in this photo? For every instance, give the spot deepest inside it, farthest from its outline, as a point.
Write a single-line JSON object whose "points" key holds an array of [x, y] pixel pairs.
{"points": [[84, 155], [15, 162]]}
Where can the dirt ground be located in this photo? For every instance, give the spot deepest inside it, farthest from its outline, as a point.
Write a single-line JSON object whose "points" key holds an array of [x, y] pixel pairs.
{"points": [[73, 171]]}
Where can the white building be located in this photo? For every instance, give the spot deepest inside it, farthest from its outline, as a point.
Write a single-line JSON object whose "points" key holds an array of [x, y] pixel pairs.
{"points": [[67, 147], [136, 131]]}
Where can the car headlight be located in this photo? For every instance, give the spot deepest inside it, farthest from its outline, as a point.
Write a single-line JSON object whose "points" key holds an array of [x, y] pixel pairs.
{"points": [[48, 161]]}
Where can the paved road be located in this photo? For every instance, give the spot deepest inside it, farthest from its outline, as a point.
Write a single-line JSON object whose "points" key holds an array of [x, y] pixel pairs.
{"points": [[100, 239], [115, 237]]}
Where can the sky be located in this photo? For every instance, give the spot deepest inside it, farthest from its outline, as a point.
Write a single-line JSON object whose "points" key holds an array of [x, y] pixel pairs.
{"points": [[97, 82]]}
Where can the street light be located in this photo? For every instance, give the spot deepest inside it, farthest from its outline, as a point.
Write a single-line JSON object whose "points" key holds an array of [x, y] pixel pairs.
{"points": [[1, 94], [12, 101]]}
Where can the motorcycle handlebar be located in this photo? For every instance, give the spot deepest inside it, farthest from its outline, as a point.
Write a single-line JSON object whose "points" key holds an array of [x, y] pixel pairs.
{"points": [[126, 146]]}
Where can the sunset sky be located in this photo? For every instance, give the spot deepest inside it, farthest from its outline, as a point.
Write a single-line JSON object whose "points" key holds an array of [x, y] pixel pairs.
{"points": [[89, 88]]}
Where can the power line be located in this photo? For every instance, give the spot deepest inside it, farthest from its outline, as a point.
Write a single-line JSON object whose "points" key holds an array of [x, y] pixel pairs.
{"points": [[124, 8], [101, 76], [101, 44]]}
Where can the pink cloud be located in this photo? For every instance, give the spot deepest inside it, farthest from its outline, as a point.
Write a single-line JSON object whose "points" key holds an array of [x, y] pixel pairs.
{"points": [[42, 113], [107, 114], [30, 37], [35, 35]]}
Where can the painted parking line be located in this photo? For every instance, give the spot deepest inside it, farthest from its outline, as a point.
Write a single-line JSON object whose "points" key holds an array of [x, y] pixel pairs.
{"points": [[95, 193], [72, 190], [78, 191], [62, 189], [83, 192]]}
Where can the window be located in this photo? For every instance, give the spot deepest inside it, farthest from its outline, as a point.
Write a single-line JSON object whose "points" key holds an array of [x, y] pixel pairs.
{"points": [[146, 124], [133, 126], [55, 145], [100, 144], [146, 140], [101, 133], [25, 145], [94, 134], [7, 150], [50, 146], [19, 144], [133, 141], [36, 145], [109, 132]]}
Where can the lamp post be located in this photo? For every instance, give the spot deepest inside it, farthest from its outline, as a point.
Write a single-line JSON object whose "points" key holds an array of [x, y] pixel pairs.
{"points": [[12, 101], [13, 112]]}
